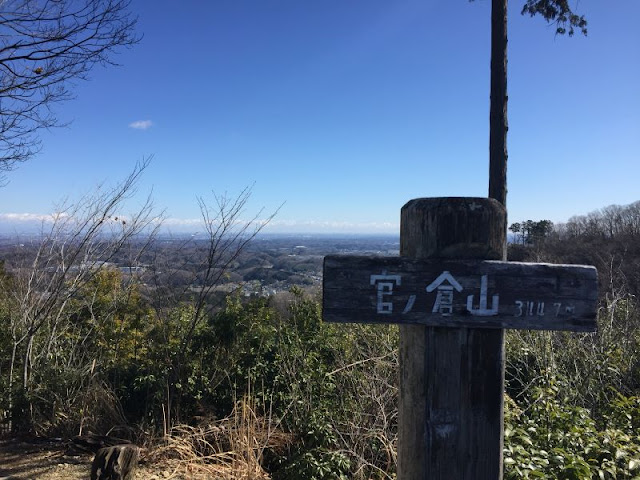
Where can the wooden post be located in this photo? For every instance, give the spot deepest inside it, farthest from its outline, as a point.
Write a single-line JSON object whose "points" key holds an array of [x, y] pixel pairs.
{"points": [[453, 294], [452, 379]]}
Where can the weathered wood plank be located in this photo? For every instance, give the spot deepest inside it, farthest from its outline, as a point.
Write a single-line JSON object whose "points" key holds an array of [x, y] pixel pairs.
{"points": [[451, 379], [460, 293]]}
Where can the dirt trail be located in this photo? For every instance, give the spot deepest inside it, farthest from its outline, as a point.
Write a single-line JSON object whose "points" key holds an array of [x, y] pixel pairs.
{"points": [[20, 460], [39, 460]]}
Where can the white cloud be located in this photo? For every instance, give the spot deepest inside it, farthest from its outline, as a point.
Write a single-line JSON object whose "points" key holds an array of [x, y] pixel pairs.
{"points": [[180, 222], [315, 226], [25, 217], [30, 221], [141, 124], [182, 225]]}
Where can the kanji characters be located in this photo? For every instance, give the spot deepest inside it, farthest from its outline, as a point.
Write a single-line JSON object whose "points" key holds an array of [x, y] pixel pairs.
{"points": [[384, 284], [445, 283], [445, 286]]}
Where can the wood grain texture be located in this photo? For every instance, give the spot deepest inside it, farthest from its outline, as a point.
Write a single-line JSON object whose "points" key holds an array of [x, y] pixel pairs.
{"points": [[530, 295], [453, 295], [451, 379]]}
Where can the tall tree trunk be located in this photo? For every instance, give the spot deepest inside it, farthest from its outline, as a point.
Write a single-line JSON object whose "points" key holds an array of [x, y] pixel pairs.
{"points": [[498, 111]]}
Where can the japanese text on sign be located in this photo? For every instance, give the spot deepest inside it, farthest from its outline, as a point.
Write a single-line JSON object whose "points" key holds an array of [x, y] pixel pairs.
{"points": [[446, 286]]}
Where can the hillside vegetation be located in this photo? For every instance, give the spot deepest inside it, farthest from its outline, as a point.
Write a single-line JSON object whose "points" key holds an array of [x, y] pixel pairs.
{"points": [[255, 385]]}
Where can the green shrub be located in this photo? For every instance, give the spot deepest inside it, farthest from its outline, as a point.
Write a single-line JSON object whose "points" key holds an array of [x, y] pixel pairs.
{"points": [[547, 437]]}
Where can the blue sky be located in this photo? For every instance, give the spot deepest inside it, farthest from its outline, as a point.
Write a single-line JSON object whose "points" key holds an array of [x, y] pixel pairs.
{"points": [[346, 110]]}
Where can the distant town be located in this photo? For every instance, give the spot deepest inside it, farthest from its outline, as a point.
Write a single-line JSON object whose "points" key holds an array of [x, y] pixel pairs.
{"points": [[268, 265]]}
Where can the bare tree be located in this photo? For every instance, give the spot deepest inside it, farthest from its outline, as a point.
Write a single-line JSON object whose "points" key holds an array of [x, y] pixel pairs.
{"points": [[227, 236], [45, 45], [78, 243], [209, 258]]}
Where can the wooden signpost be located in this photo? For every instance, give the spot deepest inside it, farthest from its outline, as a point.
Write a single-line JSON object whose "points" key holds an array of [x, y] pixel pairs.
{"points": [[462, 293], [453, 294]]}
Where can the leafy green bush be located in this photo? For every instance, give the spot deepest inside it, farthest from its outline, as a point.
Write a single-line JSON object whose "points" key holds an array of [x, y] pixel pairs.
{"points": [[546, 437], [331, 386], [316, 454]]}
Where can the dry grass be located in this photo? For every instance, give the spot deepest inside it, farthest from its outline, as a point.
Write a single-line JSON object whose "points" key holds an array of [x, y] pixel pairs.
{"points": [[231, 448]]}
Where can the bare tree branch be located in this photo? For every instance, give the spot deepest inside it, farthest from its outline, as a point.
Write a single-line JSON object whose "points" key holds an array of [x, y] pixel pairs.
{"points": [[44, 47], [82, 239]]}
